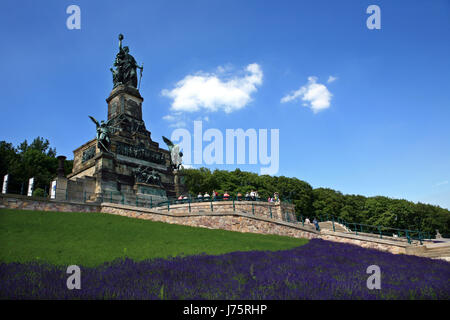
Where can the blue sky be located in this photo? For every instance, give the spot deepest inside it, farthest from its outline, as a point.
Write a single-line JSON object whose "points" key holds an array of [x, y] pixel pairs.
{"points": [[384, 125]]}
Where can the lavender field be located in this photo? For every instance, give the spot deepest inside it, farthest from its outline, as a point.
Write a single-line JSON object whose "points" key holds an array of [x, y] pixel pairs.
{"points": [[317, 270]]}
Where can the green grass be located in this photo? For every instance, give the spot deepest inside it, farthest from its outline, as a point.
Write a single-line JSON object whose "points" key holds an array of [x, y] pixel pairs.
{"points": [[89, 239]]}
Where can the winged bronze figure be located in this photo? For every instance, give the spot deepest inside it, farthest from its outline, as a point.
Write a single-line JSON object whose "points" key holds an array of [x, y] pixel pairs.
{"points": [[175, 153], [104, 130]]}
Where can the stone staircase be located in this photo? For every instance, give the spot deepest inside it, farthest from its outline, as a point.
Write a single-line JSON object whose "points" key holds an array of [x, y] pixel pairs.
{"points": [[328, 225], [431, 250], [427, 249]]}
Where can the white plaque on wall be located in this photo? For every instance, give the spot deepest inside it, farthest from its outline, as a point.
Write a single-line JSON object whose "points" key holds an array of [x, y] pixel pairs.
{"points": [[53, 190], [30, 187], [5, 183]]}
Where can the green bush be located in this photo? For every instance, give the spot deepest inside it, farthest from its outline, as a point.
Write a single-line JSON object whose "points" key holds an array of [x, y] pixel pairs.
{"points": [[39, 192]]}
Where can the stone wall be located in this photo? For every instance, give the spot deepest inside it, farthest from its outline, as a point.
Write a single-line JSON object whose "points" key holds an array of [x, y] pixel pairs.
{"points": [[78, 165], [89, 170], [15, 201], [233, 221], [241, 221], [223, 217], [280, 211]]}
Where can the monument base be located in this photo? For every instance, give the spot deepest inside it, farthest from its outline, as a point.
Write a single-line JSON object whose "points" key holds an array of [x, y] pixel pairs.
{"points": [[133, 166]]}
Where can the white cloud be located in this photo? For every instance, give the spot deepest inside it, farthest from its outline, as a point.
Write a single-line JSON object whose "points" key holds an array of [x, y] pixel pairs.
{"points": [[441, 183], [315, 95], [206, 91], [178, 124], [169, 117], [177, 120], [331, 79]]}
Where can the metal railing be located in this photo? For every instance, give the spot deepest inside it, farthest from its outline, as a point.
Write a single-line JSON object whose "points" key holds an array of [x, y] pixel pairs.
{"points": [[376, 230], [212, 199]]}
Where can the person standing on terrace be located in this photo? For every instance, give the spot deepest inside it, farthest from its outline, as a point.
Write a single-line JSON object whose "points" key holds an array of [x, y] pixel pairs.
{"points": [[206, 196], [276, 197], [200, 196], [316, 224], [226, 195]]}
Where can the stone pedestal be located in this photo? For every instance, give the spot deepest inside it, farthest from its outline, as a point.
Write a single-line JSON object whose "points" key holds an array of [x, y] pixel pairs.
{"points": [[131, 150], [61, 171], [61, 188], [125, 100]]}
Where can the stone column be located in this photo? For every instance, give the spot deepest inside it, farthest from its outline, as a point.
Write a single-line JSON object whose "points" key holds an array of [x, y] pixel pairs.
{"points": [[60, 170], [278, 210], [177, 182], [61, 181]]}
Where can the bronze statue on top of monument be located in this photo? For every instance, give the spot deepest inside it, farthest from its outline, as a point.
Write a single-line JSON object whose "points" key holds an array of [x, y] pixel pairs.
{"points": [[126, 66]]}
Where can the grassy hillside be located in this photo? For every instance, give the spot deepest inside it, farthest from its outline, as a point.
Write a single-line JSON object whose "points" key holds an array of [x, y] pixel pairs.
{"points": [[89, 239]]}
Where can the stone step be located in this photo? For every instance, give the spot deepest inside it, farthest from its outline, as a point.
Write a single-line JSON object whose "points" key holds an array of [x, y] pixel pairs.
{"points": [[434, 254], [328, 225]]}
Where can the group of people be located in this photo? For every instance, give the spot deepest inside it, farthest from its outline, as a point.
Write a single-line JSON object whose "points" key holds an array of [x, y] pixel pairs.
{"points": [[249, 196], [214, 194], [315, 223], [275, 198], [252, 195]]}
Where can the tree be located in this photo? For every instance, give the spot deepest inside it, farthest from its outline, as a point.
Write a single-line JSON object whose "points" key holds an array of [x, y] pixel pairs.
{"points": [[36, 160], [8, 154]]}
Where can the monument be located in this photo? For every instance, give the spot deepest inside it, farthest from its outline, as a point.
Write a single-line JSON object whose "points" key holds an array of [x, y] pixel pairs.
{"points": [[123, 159]]}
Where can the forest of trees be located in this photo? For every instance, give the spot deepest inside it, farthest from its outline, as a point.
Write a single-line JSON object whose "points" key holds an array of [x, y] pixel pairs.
{"points": [[39, 160]]}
